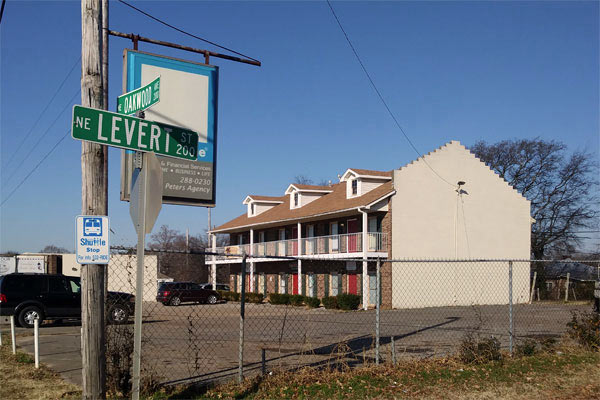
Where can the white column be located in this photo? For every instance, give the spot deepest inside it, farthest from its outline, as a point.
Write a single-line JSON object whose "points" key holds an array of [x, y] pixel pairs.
{"points": [[299, 261], [365, 271], [213, 270], [251, 262]]}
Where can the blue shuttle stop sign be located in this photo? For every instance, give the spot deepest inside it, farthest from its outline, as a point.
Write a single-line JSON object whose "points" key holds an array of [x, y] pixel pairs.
{"points": [[92, 245]]}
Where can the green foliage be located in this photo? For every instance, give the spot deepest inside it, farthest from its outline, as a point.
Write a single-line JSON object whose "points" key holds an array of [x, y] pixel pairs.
{"points": [[229, 296], [296, 300], [277, 298], [24, 358], [255, 298], [348, 301], [330, 302], [475, 350], [312, 302], [585, 329]]}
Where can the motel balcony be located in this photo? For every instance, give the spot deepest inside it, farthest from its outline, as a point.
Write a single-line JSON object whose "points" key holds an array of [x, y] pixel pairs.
{"points": [[319, 247]]}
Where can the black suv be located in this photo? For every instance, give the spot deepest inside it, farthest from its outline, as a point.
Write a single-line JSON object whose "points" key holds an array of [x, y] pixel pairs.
{"points": [[45, 296], [175, 293]]}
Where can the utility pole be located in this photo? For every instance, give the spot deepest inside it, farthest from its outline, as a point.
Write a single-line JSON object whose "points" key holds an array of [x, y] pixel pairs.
{"points": [[93, 202]]}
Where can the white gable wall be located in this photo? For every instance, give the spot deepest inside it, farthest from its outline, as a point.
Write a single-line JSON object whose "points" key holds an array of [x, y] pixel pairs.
{"points": [[495, 225]]}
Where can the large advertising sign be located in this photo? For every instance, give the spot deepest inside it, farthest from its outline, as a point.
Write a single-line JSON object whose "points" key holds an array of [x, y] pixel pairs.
{"points": [[32, 264], [188, 99], [8, 265]]}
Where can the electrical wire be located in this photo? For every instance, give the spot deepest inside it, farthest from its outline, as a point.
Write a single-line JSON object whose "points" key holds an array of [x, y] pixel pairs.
{"points": [[185, 32], [14, 153], [36, 167], [381, 97], [70, 103]]}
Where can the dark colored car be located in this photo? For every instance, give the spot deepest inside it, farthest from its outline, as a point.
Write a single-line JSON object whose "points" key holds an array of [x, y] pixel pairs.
{"points": [[54, 297], [220, 286], [175, 293]]}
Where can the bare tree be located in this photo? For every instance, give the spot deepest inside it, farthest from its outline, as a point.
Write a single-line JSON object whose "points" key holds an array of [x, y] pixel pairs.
{"points": [[561, 186], [54, 249], [165, 239], [302, 180]]}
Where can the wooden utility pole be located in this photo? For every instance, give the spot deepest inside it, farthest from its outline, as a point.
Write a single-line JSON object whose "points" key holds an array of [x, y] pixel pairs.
{"points": [[93, 202]]}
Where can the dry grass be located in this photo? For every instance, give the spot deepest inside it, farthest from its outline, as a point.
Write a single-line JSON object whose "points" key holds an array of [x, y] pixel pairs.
{"points": [[567, 372], [19, 379]]}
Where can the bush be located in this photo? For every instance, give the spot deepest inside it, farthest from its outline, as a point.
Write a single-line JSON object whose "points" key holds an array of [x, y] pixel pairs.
{"points": [[474, 350], [312, 302], [348, 301], [229, 296], [276, 298], [526, 348], [585, 329], [296, 299], [330, 302], [256, 298]]}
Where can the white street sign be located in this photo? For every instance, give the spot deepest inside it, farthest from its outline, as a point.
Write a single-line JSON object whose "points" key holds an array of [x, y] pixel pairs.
{"points": [[92, 245]]}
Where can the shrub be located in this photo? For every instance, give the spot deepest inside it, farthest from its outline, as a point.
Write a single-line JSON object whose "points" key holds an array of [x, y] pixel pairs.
{"points": [[312, 302], [256, 298], [474, 350], [330, 302], [276, 298], [229, 296], [585, 329], [348, 301], [296, 299], [526, 348]]}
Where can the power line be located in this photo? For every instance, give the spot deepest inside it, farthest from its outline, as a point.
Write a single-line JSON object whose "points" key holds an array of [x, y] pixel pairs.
{"points": [[380, 96], [44, 135], [42, 113], [185, 32], [36, 167]]}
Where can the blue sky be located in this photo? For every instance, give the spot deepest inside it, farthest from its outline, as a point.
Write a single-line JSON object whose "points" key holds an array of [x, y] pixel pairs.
{"points": [[448, 70]]}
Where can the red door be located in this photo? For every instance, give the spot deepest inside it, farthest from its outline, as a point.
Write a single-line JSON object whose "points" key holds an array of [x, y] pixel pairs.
{"points": [[352, 239], [295, 242], [294, 283], [352, 289]]}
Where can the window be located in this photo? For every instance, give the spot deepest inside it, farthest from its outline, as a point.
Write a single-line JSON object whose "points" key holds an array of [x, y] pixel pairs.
{"points": [[252, 209], [58, 285], [354, 187], [295, 199], [74, 284]]}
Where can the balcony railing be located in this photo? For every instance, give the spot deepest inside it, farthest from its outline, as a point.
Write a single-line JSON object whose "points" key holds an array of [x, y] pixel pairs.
{"points": [[332, 244]]}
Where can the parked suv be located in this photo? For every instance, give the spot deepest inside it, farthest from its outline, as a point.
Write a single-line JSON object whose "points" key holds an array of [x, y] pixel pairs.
{"points": [[220, 286], [175, 293], [45, 296]]}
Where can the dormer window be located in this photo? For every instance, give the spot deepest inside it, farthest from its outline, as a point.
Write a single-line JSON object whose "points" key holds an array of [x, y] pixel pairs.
{"points": [[354, 187], [251, 208], [295, 199]]}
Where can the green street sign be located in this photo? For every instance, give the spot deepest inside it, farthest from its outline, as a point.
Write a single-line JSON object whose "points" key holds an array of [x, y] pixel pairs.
{"points": [[140, 98], [133, 133]]}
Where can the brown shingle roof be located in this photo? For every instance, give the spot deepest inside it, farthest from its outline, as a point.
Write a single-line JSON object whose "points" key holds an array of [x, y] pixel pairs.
{"points": [[267, 198], [371, 172], [312, 187], [329, 203]]}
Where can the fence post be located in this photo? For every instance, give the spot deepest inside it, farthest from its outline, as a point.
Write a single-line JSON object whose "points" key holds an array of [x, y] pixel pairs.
{"points": [[242, 312], [377, 310], [510, 306], [12, 334], [567, 287], [263, 361], [36, 341], [393, 343]]}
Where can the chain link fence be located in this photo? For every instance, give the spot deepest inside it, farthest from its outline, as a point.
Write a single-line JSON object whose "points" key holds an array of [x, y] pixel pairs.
{"points": [[283, 313]]}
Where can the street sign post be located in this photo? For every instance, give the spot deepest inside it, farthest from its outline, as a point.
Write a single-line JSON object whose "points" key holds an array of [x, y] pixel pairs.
{"points": [[153, 192], [133, 133], [139, 99], [92, 239]]}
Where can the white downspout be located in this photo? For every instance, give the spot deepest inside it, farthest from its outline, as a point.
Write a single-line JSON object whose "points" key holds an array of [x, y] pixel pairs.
{"points": [[299, 261], [365, 270], [251, 262]]}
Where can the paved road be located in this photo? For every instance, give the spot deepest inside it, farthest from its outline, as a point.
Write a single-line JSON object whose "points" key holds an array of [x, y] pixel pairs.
{"points": [[201, 341]]}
